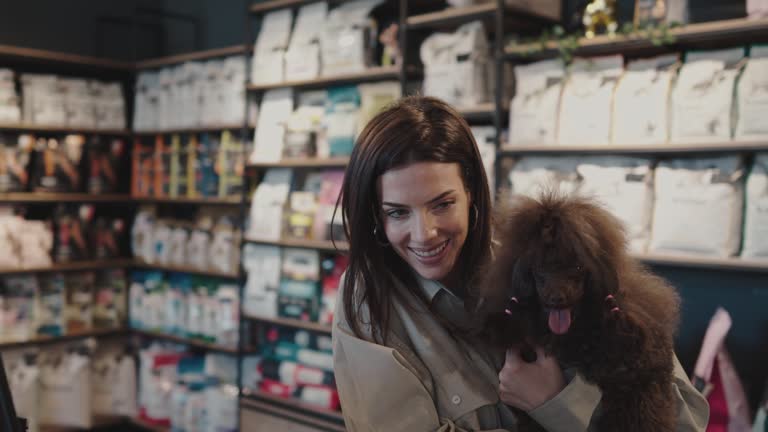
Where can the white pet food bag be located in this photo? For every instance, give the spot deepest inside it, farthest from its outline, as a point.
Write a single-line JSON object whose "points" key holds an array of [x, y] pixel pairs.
{"points": [[532, 176], [456, 66], [625, 187], [586, 107], [702, 100], [698, 206], [276, 109], [65, 386], [752, 97], [302, 60], [266, 214], [641, 103], [21, 367], [348, 38], [534, 109], [269, 50], [756, 217]]}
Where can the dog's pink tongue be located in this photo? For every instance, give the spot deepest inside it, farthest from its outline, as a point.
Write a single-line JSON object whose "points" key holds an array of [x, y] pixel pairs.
{"points": [[559, 320]]}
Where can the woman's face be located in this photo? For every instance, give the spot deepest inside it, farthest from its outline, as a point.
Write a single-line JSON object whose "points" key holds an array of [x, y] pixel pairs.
{"points": [[425, 211]]}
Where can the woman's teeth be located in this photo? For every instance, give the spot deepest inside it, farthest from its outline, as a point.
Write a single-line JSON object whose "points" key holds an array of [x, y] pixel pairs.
{"points": [[431, 252]]}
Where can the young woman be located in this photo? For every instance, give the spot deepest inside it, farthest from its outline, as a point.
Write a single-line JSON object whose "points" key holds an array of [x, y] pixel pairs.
{"points": [[416, 206]]}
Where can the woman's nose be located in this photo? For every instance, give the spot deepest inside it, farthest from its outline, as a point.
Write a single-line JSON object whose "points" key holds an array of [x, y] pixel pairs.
{"points": [[424, 229]]}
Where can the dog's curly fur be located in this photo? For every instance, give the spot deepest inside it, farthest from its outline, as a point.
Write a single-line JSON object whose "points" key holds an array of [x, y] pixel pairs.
{"points": [[567, 253]]}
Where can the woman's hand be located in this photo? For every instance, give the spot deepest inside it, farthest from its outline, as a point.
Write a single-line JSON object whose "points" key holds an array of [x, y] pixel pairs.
{"points": [[528, 385]]}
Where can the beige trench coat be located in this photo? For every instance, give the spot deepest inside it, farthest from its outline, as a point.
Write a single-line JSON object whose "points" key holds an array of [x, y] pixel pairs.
{"points": [[427, 380]]}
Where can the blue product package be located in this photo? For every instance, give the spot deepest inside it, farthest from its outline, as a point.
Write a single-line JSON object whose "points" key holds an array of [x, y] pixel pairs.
{"points": [[342, 112], [176, 303], [207, 178]]}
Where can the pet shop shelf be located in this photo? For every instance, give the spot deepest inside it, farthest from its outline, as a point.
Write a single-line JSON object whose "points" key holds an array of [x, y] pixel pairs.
{"points": [[147, 426], [8, 52], [266, 6], [186, 341], [234, 201], [41, 340], [669, 148], [195, 130], [378, 73], [293, 409], [322, 245], [54, 197], [699, 35], [733, 264], [304, 163], [190, 270], [71, 267], [43, 129], [294, 323], [192, 56], [453, 16], [483, 112]]}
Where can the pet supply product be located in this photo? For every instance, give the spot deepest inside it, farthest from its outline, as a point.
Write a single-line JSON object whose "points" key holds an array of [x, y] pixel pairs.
{"points": [[231, 95], [374, 98], [14, 160], [276, 108], [206, 177], [227, 315], [752, 96], [230, 165], [320, 396], [332, 268], [58, 164], [341, 119], [262, 264], [113, 382], [266, 213], [142, 234], [176, 304], [23, 372], [109, 105], [221, 407], [107, 241], [286, 351], [299, 293], [533, 112], [74, 235], [348, 38], [641, 102], [698, 206], [110, 299], [146, 101], [224, 248], [179, 168], [10, 110], [17, 308], [78, 310], [533, 175], [756, 210], [325, 226], [65, 385], [304, 128], [106, 165], [300, 214], [625, 187], [177, 246], [457, 65], [586, 105], [302, 60], [702, 100], [485, 137], [142, 169], [157, 373], [269, 51], [80, 109], [50, 305], [43, 100]]}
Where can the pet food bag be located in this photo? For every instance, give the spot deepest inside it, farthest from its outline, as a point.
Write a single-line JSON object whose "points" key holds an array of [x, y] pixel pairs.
{"points": [[640, 106], [348, 38], [586, 106], [23, 372], [302, 60], [65, 386], [146, 101], [715, 376], [534, 109], [276, 108], [325, 226], [10, 110], [113, 382], [698, 206], [457, 65], [304, 134], [266, 214], [375, 97], [268, 65], [14, 159], [756, 210], [341, 119], [702, 100], [532, 176], [625, 187], [485, 136], [752, 97], [17, 307]]}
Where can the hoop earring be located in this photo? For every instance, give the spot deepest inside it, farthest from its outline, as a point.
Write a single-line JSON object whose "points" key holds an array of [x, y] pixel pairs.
{"points": [[477, 216], [376, 236]]}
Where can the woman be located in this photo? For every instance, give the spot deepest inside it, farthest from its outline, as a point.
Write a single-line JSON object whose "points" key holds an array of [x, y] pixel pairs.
{"points": [[416, 207]]}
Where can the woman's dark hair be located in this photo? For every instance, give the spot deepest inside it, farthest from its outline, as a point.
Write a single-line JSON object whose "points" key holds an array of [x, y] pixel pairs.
{"points": [[414, 129]]}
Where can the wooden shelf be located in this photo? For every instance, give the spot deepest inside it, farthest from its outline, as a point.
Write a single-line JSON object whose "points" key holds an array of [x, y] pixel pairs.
{"points": [[733, 146], [268, 6], [732, 31], [186, 341], [148, 426], [378, 73], [294, 323], [293, 410], [703, 262], [15, 52], [54, 197], [185, 269], [451, 15], [185, 200], [306, 244], [192, 56], [72, 266], [303, 163], [33, 128], [47, 340], [192, 130]]}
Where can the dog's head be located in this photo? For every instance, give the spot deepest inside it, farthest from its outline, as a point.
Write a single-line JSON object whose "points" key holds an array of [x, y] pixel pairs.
{"points": [[557, 261]]}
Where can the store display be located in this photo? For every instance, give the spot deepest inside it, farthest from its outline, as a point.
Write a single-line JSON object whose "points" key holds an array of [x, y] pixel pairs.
{"points": [[641, 101], [710, 188], [702, 100], [752, 96], [268, 63], [10, 106], [349, 36], [534, 110], [58, 164], [756, 210], [457, 66], [586, 105], [276, 108], [302, 59]]}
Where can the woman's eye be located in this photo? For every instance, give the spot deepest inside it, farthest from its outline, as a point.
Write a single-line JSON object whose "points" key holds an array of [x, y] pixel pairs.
{"points": [[444, 205], [396, 213]]}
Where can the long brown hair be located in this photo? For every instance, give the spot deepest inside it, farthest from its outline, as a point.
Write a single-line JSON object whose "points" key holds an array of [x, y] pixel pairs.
{"points": [[414, 129]]}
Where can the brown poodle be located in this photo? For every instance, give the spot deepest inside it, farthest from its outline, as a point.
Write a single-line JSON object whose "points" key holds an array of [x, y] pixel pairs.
{"points": [[562, 279]]}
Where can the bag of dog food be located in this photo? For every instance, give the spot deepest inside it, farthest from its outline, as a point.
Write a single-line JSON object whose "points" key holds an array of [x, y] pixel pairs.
{"points": [[702, 101], [625, 187], [269, 49], [640, 106], [586, 106], [753, 97], [302, 60], [534, 109], [348, 39], [698, 206], [276, 108], [756, 210], [533, 175]]}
